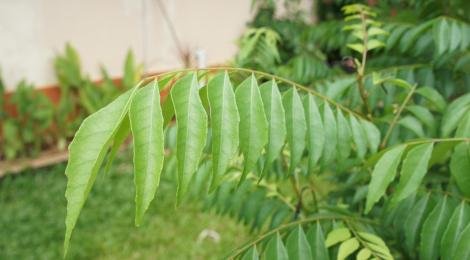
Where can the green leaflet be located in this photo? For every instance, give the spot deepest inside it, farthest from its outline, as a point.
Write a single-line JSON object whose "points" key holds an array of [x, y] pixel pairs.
{"points": [[347, 247], [441, 152], [275, 249], [433, 228], [398, 215], [329, 151], [251, 254], [297, 245], [455, 36], [295, 125], [191, 120], [121, 135], [463, 129], [412, 172], [462, 250], [224, 125], [433, 96], [275, 115], [454, 114], [86, 155], [457, 222], [424, 115], [317, 242], [359, 136], [460, 167], [337, 235], [315, 131], [168, 110], [146, 119], [253, 123], [384, 172], [344, 136], [412, 124], [373, 135], [441, 33], [376, 244], [415, 220], [363, 254]]}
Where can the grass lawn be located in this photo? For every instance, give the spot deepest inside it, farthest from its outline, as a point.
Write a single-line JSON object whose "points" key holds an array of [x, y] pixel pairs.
{"points": [[32, 211]]}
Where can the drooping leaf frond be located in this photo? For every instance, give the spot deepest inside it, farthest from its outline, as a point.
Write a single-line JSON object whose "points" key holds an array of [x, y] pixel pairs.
{"points": [[259, 132]]}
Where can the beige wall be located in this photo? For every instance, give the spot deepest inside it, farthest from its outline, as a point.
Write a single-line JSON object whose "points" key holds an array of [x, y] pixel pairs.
{"points": [[32, 31]]}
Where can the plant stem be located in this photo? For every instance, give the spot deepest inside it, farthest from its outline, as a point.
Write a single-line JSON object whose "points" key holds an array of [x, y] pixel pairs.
{"points": [[361, 70], [260, 73], [397, 116], [298, 222]]}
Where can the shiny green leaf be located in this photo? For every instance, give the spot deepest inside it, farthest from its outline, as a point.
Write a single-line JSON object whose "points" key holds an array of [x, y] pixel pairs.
{"points": [[224, 125], [336, 236], [415, 219], [146, 120], [347, 248], [253, 124], [317, 242], [462, 250], [297, 245], [275, 115], [384, 172], [344, 136], [86, 155], [460, 167], [329, 123], [275, 249], [460, 217], [373, 135], [433, 228], [295, 125], [412, 171], [359, 136], [251, 254], [191, 120], [363, 254], [315, 131]]}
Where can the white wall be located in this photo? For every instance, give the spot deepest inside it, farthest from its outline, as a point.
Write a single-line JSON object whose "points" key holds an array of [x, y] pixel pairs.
{"points": [[32, 31]]}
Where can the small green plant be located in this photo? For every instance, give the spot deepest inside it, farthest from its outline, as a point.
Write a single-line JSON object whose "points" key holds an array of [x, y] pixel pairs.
{"points": [[80, 96], [26, 133], [39, 125]]}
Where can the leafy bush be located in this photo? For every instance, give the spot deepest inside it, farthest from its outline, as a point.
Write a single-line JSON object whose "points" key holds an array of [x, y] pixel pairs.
{"points": [[39, 125], [34, 113], [315, 170]]}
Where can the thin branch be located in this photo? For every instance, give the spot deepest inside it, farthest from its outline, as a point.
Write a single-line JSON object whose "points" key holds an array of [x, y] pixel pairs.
{"points": [[264, 74], [360, 74], [397, 116], [172, 28], [242, 249]]}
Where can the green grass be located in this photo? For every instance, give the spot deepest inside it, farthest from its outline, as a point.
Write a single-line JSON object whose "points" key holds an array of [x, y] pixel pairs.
{"points": [[32, 211]]}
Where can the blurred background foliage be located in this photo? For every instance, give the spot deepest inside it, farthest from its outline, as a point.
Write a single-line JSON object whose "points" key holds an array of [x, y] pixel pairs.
{"points": [[37, 124]]}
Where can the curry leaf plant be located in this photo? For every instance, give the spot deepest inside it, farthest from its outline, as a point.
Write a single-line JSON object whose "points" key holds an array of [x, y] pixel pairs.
{"points": [[313, 175]]}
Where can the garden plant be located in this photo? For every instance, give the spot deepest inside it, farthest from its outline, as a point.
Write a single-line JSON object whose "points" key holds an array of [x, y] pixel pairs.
{"points": [[37, 124], [369, 164]]}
